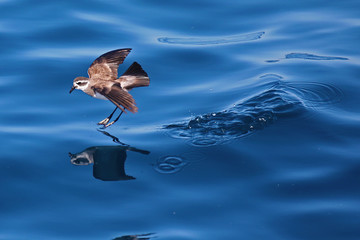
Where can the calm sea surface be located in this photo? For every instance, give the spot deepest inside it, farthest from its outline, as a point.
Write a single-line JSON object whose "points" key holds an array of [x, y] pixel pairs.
{"points": [[250, 128]]}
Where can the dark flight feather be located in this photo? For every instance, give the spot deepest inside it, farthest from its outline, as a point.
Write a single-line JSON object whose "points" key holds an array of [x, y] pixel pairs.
{"points": [[134, 76], [135, 70]]}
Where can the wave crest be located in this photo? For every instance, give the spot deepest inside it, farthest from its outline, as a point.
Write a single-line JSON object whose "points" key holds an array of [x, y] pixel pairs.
{"points": [[278, 100]]}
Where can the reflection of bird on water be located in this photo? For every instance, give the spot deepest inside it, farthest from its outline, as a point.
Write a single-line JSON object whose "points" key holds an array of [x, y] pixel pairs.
{"points": [[109, 161]]}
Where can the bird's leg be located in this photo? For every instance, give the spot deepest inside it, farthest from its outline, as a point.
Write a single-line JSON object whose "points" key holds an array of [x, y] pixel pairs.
{"points": [[109, 124], [106, 120]]}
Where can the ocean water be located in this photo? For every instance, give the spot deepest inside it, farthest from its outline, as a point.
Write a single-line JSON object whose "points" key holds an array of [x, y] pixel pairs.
{"points": [[250, 128]]}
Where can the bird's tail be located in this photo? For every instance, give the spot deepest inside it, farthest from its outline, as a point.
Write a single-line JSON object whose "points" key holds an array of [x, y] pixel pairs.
{"points": [[134, 77]]}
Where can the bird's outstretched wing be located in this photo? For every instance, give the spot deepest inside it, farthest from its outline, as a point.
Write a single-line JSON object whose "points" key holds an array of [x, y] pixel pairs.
{"points": [[134, 77], [118, 96], [105, 67]]}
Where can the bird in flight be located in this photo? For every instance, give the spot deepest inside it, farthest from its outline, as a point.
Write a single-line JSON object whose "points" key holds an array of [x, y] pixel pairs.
{"points": [[103, 82]]}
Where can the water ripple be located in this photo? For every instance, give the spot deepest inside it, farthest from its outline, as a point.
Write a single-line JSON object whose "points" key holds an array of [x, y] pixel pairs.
{"points": [[308, 56], [170, 164], [278, 100], [312, 56], [212, 40]]}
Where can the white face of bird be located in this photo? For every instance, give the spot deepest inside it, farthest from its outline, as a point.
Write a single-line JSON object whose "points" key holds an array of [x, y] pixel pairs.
{"points": [[80, 83]]}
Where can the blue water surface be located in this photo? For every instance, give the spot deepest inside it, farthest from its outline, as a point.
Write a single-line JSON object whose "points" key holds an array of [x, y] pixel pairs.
{"points": [[250, 128]]}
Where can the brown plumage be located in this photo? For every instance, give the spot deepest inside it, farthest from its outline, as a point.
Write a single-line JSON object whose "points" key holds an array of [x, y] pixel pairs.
{"points": [[116, 95], [104, 83], [106, 66]]}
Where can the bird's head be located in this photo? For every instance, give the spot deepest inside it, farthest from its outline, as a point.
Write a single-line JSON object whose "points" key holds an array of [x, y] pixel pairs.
{"points": [[80, 83]]}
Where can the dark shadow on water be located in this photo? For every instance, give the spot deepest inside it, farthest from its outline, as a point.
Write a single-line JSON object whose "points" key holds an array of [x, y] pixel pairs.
{"points": [[146, 236], [275, 99], [109, 161]]}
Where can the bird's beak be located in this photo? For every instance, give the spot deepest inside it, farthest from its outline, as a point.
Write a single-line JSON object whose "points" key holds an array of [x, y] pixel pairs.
{"points": [[72, 89]]}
